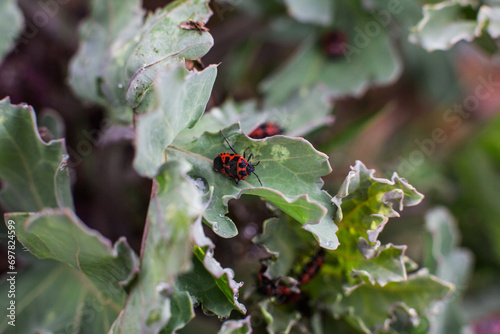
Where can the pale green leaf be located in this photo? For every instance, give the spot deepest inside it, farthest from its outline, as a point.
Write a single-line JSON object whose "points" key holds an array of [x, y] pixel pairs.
{"points": [[121, 77], [96, 70], [450, 263], [11, 24], [59, 235], [243, 326], [223, 116], [380, 264], [211, 285], [442, 26], [361, 68], [315, 12], [370, 307], [488, 18], [181, 98], [34, 173], [290, 171], [153, 304], [75, 305], [364, 205], [99, 270], [369, 59], [294, 116], [163, 43]]}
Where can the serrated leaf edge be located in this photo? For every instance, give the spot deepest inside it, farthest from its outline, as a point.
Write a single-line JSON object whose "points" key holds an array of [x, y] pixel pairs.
{"points": [[349, 185]]}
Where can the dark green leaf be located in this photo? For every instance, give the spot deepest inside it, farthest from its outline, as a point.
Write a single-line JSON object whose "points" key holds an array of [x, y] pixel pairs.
{"points": [[278, 320], [292, 242], [476, 166], [181, 312], [211, 284]]}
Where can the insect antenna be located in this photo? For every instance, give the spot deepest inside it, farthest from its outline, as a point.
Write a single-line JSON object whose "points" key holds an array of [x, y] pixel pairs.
{"points": [[258, 177], [227, 141]]}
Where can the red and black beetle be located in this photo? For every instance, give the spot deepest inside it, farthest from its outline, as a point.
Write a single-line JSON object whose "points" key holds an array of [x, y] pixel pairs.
{"points": [[334, 44], [312, 267], [266, 129], [290, 294], [234, 165], [274, 288]]}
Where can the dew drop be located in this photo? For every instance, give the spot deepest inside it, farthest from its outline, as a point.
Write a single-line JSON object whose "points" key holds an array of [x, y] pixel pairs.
{"points": [[215, 227], [120, 86]]}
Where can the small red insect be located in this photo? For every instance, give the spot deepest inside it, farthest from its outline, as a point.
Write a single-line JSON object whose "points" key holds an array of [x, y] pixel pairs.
{"points": [[274, 288], [266, 129], [334, 44], [234, 165], [290, 294], [312, 267]]}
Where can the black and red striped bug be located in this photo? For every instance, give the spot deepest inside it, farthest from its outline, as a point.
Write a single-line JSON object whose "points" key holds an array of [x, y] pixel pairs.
{"points": [[312, 267], [234, 165], [266, 129], [290, 294], [275, 288]]}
